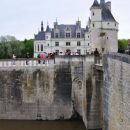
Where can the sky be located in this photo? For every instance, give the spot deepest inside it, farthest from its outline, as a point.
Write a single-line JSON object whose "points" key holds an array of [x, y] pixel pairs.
{"points": [[22, 18]]}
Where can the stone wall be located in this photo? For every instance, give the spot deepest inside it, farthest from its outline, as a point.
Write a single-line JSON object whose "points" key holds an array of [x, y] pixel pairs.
{"points": [[36, 93], [58, 91], [116, 92]]}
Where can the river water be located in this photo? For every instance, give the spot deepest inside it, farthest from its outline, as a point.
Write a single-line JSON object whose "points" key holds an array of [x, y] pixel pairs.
{"points": [[41, 125]]}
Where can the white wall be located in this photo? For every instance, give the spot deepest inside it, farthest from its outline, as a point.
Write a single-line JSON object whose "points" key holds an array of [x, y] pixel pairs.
{"points": [[97, 14]]}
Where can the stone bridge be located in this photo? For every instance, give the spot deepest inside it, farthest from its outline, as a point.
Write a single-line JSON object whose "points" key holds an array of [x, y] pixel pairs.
{"points": [[64, 88]]}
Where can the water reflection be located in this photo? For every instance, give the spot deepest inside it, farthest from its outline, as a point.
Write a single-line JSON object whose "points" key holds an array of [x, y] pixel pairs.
{"points": [[41, 125]]}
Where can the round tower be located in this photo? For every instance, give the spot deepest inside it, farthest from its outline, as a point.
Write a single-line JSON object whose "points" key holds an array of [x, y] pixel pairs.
{"points": [[95, 25], [95, 12]]}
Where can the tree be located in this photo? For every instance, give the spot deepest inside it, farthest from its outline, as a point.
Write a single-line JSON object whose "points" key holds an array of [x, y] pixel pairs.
{"points": [[123, 44], [9, 46]]}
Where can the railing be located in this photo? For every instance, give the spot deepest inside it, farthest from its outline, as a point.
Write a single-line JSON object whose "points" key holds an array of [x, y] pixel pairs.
{"points": [[35, 62], [24, 62]]}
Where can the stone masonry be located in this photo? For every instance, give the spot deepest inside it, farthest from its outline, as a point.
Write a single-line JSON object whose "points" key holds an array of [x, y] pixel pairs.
{"points": [[54, 92], [116, 92]]}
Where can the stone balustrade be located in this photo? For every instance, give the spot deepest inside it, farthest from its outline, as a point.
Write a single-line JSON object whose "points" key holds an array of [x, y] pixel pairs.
{"points": [[19, 62], [23, 62]]}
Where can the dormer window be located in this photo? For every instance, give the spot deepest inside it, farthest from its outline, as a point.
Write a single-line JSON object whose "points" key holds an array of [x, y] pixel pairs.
{"points": [[78, 35], [67, 35], [56, 35], [67, 32]]}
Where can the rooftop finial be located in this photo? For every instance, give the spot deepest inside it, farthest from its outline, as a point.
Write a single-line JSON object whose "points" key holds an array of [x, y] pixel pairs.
{"points": [[56, 19], [42, 29]]}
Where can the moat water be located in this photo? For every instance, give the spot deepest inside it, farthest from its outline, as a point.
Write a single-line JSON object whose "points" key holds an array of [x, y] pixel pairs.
{"points": [[41, 125]]}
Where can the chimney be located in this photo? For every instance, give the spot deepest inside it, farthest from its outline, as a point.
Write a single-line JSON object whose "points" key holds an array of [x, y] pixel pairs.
{"points": [[109, 5], [102, 1], [42, 29]]}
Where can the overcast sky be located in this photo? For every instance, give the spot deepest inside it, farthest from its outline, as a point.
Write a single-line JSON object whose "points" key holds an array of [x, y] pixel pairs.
{"points": [[21, 18]]}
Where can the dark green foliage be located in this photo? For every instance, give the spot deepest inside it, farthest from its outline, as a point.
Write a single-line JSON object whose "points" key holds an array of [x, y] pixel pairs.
{"points": [[19, 48], [123, 44]]}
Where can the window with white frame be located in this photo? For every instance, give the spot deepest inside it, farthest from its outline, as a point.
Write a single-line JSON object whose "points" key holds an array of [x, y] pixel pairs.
{"points": [[56, 35], [56, 43], [41, 47], [68, 35], [78, 35], [78, 43], [38, 47], [67, 43]]}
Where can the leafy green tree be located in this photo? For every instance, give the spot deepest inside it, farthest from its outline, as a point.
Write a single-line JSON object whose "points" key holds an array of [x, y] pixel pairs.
{"points": [[123, 44], [9, 46]]}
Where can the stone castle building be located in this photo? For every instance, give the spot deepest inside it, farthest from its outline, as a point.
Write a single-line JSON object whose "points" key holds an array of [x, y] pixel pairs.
{"points": [[101, 32]]}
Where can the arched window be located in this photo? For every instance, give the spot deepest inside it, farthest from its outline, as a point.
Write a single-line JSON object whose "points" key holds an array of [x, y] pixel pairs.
{"points": [[38, 47], [41, 47]]}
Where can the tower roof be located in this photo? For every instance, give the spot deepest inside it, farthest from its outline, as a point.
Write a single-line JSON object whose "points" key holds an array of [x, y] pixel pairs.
{"points": [[106, 13], [48, 29], [95, 4], [102, 1]]}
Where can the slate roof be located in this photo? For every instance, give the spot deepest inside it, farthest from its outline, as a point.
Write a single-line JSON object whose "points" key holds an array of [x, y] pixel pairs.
{"points": [[61, 28], [40, 36], [95, 4], [72, 28], [106, 13], [48, 29]]}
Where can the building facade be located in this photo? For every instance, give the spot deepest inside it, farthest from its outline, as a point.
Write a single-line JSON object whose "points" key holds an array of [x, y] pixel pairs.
{"points": [[101, 32]]}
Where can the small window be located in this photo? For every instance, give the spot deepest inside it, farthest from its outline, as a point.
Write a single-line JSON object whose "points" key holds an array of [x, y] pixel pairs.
{"points": [[78, 35], [67, 35], [56, 35], [107, 37], [57, 52], [41, 47], [93, 13], [79, 51], [93, 25], [115, 25], [88, 36], [48, 44], [67, 43], [56, 43], [108, 23], [78, 43], [88, 44]]}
